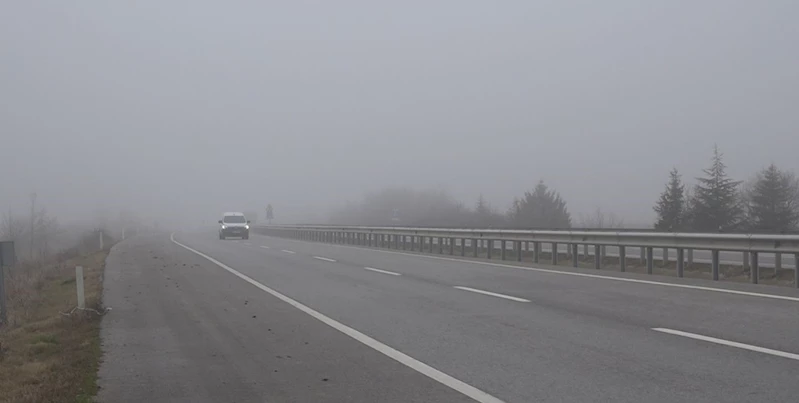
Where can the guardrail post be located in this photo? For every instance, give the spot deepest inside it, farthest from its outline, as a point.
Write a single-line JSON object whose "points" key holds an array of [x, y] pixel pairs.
{"points": [[463, 246], [554, 253], [536, 251], [680, 262], [519, 251], [475, 247], [440, 245], [650, 261], [597, 257], [777, 265], [715, 264], [451, 246], [421, 244], [796, 270], [690, 262], [622, 258], [575, 255], [489, 246], [755, 268], [503, 245]]}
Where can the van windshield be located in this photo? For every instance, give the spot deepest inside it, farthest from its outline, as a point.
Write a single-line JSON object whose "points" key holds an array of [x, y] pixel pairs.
{"points": [[234, 219]]}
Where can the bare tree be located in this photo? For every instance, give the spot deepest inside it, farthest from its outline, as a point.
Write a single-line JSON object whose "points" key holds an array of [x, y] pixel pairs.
{"points": [[47, 228], [599, 219], [12, 227]]}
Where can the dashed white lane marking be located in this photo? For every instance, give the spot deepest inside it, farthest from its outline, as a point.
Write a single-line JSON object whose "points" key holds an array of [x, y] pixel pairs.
{"points": [[324, 258], [264, 246], [728, 343], [493, 294], [288, 251], [410, 362], [382, 271]]}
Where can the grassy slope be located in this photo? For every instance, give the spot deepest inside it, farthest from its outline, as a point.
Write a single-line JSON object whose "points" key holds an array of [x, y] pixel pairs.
{"points": [[46, 356]]}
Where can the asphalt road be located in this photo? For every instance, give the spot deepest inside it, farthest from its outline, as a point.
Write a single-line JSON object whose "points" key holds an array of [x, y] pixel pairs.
{"points": [[273, 319]]}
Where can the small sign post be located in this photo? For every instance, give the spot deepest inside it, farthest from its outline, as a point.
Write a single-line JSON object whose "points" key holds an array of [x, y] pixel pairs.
{"points": [[79, 282]]}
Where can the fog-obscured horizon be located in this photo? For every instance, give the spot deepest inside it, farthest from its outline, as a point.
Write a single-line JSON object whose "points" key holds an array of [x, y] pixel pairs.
{"points": [[183, 110]]}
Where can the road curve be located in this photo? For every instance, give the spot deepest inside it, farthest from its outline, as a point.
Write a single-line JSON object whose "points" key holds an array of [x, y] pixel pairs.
{"points": [[272, 319]]}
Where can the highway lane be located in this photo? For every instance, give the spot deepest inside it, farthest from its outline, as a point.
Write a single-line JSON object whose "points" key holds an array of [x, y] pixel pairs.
{"points": [[184, 330], [577, 339]]}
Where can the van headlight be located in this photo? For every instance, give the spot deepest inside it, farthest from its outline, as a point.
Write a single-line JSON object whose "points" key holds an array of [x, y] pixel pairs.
{"points": [[247, 226], [223, 227]]}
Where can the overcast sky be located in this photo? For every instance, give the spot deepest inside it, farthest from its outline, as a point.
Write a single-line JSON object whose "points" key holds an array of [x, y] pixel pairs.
{"points": [[196, 107]]}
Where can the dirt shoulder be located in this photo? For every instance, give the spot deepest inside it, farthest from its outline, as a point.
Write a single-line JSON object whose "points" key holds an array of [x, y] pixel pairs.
{"points": [[48, 354]]}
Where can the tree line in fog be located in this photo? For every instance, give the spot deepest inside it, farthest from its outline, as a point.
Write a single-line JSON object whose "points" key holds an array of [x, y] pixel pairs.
{"points": [[766, 202]]}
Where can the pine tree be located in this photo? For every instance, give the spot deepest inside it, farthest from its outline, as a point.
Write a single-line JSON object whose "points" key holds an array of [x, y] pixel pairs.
{"points": [[716, 205], [773, 201], [482, 208], [541, 208], [671, 205]]}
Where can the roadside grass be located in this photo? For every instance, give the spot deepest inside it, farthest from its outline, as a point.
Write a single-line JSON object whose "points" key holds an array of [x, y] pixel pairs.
{"points": [[46, 356]]}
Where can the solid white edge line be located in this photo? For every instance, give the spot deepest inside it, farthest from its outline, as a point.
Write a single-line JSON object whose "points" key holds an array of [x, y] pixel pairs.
{"points": [[396, 355], [493, 294], [288, 251], [749, 347], [325, 259], [567, 273], [265, 247], [382, 271]]}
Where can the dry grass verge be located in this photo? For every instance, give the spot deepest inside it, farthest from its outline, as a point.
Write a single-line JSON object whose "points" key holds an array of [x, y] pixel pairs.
{"points": [[46, 356]]}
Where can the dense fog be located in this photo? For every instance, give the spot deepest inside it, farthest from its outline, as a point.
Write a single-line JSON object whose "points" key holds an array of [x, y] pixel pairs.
{"points": [[173, 112]]}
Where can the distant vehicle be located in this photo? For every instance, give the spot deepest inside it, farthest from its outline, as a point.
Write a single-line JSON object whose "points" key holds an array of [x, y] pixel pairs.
{"points": [[234, 224]]}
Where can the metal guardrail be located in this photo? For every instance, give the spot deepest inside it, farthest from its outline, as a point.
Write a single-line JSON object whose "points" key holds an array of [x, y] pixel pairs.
{"points": [[422, 239]]}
